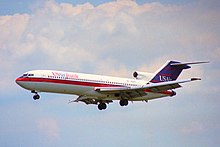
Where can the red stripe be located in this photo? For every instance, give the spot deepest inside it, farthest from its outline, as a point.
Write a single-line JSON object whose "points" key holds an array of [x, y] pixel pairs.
{"points": [[70, 82], [155, 81], [168, 75], [60, 81], [162, 92]]}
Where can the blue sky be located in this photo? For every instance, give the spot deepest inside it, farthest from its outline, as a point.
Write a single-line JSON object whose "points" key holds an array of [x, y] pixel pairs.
{"points": [[112, 38], [23, 6]]}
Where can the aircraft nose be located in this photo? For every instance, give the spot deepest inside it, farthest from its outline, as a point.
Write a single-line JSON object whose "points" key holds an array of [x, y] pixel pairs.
{"points": [[18, 81], [23, 82]]}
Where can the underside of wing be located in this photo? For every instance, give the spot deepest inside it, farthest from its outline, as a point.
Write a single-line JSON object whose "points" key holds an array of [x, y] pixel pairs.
{"points": [[90, 100]]}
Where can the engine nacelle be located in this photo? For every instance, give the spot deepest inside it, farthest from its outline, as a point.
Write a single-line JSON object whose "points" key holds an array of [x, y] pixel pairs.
{"points": [[142, 75], [173, 93]]}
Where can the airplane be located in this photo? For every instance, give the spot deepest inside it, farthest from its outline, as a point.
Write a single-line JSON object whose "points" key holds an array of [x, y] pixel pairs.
{"points": [[102, 90]]}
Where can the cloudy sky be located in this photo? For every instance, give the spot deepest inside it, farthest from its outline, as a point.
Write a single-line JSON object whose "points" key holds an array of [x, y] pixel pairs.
{"points": [[112, 38]]}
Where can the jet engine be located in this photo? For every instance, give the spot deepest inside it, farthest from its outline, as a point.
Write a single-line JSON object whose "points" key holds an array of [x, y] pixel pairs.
{"points": [[142, 75], [173, 93]]}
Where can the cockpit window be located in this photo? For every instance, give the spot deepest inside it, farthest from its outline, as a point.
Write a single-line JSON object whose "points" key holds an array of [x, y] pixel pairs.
{"points": [[27, 75]]}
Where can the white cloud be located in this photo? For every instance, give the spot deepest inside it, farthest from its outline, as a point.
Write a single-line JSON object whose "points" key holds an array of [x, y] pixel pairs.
{"points": [[12, 28], [121, 30]]}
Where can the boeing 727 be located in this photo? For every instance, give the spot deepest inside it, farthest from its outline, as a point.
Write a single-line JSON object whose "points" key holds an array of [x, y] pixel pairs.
{"points": [[102, 90]]}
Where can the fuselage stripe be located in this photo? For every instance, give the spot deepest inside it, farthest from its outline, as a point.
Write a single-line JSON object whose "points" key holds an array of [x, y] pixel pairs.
{"points": [[70, 82], [77, 83]]}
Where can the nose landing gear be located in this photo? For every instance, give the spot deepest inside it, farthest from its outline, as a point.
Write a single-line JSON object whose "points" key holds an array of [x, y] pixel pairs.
{"points": [[36, 95]]}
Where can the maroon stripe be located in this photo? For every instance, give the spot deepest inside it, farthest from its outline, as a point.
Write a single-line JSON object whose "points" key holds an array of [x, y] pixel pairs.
{"points": [[162, 92], [168, 75], [155, 81], [70, 82], [169, 68]]}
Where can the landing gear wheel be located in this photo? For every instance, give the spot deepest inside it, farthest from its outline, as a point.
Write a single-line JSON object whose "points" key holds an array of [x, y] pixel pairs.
{"points": [[123, 102], [102, 106], [36, 97]]}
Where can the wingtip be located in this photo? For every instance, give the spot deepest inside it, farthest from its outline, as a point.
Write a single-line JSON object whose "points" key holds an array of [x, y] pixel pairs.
{"points": [[201, 62], [194, 79]]}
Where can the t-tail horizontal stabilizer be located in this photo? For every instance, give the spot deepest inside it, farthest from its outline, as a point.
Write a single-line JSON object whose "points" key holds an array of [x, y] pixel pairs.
{"points": [[188, 63]]}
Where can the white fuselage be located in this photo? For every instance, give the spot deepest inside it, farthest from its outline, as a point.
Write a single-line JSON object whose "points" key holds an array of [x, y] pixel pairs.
{"points": [[80, 84]]}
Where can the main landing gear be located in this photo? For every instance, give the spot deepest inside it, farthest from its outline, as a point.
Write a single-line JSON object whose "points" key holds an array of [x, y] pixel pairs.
{"points": [[102, 106], [123, 102], [36, 95]]}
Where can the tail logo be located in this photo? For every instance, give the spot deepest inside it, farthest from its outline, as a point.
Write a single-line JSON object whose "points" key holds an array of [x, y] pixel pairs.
{"points": [[165, 78]]}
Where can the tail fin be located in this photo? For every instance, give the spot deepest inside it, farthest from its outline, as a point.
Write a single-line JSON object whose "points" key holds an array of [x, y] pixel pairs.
{"points": [[171, 70]]}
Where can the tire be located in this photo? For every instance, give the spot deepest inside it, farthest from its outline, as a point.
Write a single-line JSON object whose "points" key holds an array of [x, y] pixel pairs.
{"points": [[102, 106], [36, 97], [99, 106], [123, 102]]}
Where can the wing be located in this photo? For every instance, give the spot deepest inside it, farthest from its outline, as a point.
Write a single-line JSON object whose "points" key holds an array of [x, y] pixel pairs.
{"points": [[139, 90], [132, 92]]}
